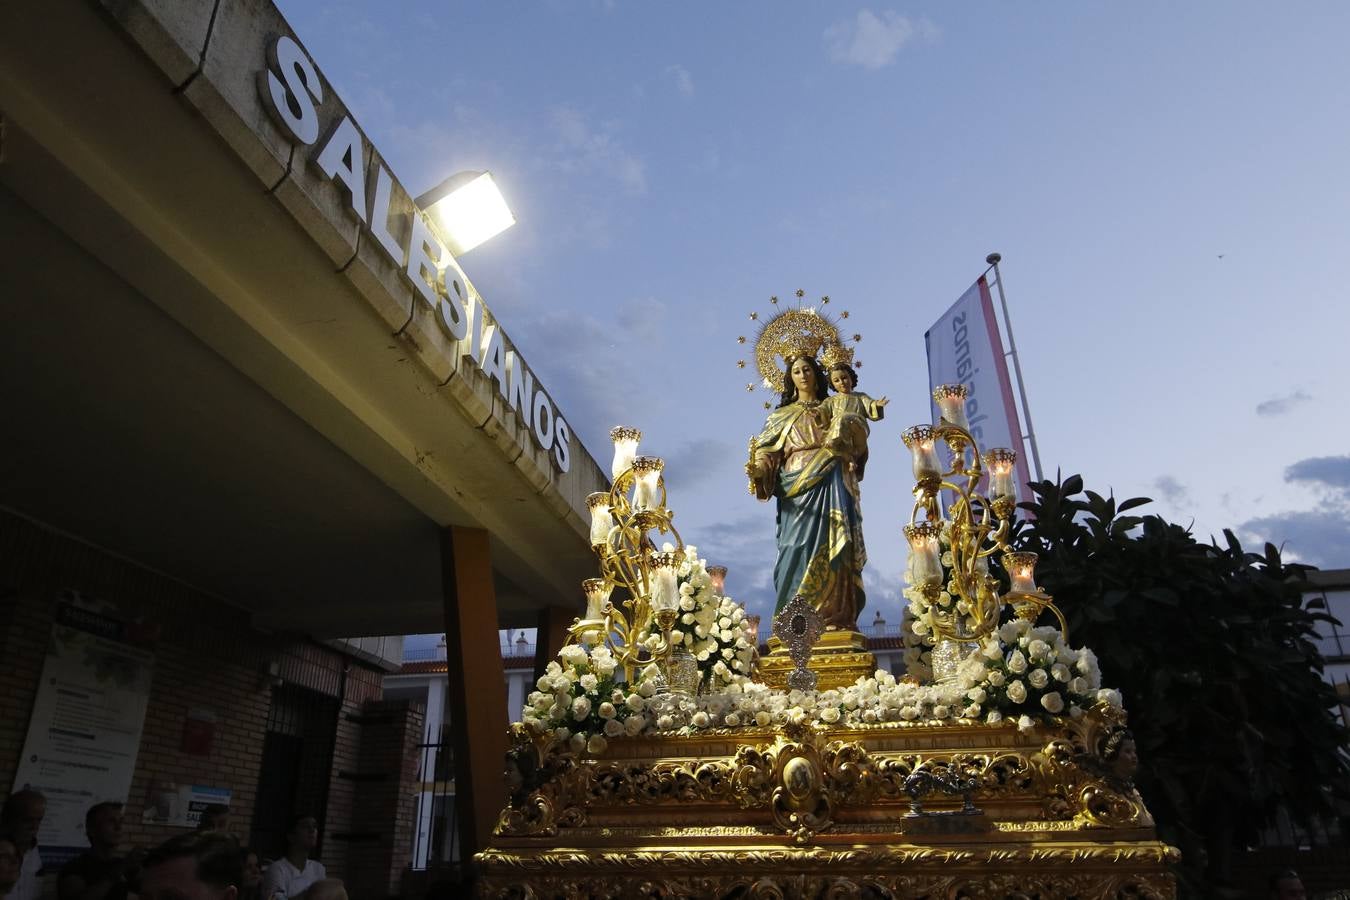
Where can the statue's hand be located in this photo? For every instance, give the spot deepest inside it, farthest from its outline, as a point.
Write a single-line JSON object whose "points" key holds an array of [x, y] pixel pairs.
{"points": [[883, 401]]}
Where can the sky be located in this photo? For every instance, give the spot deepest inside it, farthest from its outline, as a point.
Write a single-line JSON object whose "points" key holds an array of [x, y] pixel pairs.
{"points": [[1167, 185]]}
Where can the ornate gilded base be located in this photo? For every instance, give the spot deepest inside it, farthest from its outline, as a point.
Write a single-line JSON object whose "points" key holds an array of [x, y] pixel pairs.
{"points": [[889, 810], [839, 658]]}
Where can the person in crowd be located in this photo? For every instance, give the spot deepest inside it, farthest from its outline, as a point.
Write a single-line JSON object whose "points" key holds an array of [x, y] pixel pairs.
{"points": [[11, 858], [99, 873], [295, 873], [21, 817], [250, 888], [201, 865], [1286, 885], [216, 817]]}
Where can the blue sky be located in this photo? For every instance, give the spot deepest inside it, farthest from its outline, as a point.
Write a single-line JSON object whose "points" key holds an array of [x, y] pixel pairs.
{"points": [[673, 166]]}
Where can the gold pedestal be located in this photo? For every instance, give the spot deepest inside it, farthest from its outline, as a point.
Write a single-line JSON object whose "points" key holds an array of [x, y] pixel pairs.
{"points": [[839, 659], [812, 811]]}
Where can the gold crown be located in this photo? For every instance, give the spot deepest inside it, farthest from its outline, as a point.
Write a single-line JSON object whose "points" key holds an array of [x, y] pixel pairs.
{"points": [[800, 330], [836, 355]]}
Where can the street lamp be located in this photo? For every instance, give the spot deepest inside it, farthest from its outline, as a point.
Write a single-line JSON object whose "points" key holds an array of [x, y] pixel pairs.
{"points": [[469, 209]]}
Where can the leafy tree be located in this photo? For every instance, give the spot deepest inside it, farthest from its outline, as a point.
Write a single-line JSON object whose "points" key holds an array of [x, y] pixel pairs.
{"points": [[1212, 648]]}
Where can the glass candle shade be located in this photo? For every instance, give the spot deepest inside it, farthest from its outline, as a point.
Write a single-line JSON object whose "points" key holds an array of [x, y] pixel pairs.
{"points": [[625, 448], [922, 443], [718, 576], [597, 593], [1000, 462], [648, 472], [665, 589], [951, 401], [602, 519], [924, 551], [1022, 572]]}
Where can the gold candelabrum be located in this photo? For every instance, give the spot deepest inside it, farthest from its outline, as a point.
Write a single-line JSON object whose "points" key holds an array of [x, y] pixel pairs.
{"points": [[976, 524], [623, 520]]}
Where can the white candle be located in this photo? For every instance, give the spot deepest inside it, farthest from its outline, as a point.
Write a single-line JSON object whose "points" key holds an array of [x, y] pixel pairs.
{"points": [[951, 401], [625, 448]]}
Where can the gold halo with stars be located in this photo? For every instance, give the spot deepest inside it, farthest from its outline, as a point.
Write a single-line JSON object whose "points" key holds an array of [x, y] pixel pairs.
{"points": [[799, 330]]}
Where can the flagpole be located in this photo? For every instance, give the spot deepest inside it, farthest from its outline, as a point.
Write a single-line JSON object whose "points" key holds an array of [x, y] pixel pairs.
{"points": [[994, 259]]}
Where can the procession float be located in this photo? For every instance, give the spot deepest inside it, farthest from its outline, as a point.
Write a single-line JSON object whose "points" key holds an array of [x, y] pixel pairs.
{"points": [[662, 756]]}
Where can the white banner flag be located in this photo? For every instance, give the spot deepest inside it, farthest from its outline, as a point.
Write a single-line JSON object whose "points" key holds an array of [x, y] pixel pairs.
{"points": [[964, 346]]}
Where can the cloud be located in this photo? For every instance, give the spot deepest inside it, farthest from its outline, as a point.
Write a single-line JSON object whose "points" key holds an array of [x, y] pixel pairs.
{"points": [[695, 461], [1320, 537], [874, 40], [684, 82], [1173, 491], [1278, 406], [1331, 472], [585, 150], [746, 546]]}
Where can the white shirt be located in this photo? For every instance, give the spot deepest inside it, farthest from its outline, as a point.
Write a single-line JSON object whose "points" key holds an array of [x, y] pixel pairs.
{"points": [[28, 887], [282, 875]]}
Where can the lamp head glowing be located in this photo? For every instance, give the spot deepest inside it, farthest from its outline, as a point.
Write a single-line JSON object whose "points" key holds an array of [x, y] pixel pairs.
{"points": [[469, 209]]}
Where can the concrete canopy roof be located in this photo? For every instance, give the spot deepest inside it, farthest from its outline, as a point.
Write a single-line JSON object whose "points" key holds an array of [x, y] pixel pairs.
{"points": [[197, 377]]}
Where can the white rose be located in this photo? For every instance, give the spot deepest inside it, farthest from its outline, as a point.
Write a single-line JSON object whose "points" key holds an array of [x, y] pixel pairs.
{"points": [[977, 694], [971, 712], [1038, 648], [1038, 678], [613, 728], [1078, 686], [700, 719], [992, 651], [676, 636], [1017, 663], [647, 688], [869, 716], [605, 666], [596, 745], [829, 714], [1110, 695], [763, 718], [632, 725], [909, 713], [635, 702], [687, 603], [589, 682], [562, 733], [941, 712], [1053, 702], [997, 678], [1060, 672], [578, 742], [732, 720], [1017, 691], [545, 683], [665, 722], [572, 655], [994, 717], [581, 708], [687, 619], [607, 710], [1024, 723]]}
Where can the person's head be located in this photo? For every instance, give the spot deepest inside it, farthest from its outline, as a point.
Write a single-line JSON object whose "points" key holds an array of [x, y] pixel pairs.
{"points": [[1286, 885], [327, 889], [22, 815], [201, 865], [252, 876], [1120, 753], [302, 833], [103, 826], [11, 862], [216, 817], [805, 380], [843, 378]]}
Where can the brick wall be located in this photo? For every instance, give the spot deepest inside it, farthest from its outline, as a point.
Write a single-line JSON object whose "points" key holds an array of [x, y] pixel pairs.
{"points": [[385, 796], [207, 658]]}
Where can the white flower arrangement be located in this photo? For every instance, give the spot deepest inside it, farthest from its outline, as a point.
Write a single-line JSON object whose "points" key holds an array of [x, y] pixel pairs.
{"points": [[1031, 673], [580, 703], [713, 628]]}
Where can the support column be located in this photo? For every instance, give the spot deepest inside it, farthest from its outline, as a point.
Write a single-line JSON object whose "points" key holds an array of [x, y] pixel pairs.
{"points": [[552, 626], [476, 686]]}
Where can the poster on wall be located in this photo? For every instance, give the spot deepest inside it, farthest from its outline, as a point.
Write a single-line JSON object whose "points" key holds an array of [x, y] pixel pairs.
{"points": [[182, 805], [85, 730]]}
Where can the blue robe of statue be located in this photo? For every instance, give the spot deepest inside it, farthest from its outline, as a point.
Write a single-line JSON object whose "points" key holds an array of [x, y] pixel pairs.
{"points": [[820, 541]]}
